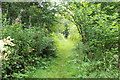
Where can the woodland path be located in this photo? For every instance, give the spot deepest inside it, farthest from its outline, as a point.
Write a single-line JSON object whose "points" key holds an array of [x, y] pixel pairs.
{"points": [[64, 66]]}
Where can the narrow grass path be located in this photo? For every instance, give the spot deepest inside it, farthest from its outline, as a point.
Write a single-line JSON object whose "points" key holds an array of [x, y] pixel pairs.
{"points": [[64, 66], [69, 64]]}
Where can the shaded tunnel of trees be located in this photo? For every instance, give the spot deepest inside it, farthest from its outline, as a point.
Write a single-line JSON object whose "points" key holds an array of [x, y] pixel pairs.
{"points": [[32, 26]]}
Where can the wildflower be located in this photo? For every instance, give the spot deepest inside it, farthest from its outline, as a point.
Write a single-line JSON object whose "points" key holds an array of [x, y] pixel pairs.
{"points": [[5, 48], [107, 70], [8, 41], [9, 38], [2, 29], [17, 19], [30, 16], [2, 45], [0, 9]]}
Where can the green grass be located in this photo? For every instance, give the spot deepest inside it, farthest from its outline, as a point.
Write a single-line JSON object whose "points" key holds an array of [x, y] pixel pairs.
{"points": [[68, 64], [63, 66]]}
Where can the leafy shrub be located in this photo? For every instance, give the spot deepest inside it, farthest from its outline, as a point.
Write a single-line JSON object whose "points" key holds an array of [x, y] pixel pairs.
{"points": [[98, 26], [31, 44]]}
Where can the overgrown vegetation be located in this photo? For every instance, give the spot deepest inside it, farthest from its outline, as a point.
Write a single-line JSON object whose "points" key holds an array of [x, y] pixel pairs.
{"points": [[97, 23], [39, 40], [32, 41]]}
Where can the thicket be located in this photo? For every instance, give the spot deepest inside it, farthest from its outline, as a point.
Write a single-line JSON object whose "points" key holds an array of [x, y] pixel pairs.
{"points": [[98, 24], [29, 25]]}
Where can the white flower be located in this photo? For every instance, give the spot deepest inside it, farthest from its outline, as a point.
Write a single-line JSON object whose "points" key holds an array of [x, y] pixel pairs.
{"points": [[8, 42], [2, 45], [9, 38]]}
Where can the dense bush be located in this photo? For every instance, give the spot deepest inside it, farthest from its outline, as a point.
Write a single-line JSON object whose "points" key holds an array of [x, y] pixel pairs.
{"points": [[97, 26], [29, 24], [30, 44], [97, 23]]}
